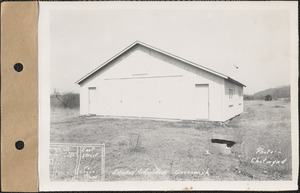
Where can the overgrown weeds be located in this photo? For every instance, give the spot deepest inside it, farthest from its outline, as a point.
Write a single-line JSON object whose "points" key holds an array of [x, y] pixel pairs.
{"points": [[135, 143]]}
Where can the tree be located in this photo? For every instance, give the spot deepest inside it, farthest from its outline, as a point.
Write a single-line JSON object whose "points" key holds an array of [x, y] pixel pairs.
{"points": [[60, 98]]}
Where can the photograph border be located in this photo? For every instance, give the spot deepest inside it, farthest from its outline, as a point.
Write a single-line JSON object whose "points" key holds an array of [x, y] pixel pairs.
{"points": [[44, 100]]}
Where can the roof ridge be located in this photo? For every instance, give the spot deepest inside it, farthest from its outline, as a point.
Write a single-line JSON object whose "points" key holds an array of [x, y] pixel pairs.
{"points": [[162, 52]]}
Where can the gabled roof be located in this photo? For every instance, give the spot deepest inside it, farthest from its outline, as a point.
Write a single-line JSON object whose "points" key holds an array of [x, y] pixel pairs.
{"points": [[162, 52]]}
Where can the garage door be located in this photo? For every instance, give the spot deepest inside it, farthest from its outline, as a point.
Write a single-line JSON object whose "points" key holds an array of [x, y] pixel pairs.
{"points": [[157, 97]]}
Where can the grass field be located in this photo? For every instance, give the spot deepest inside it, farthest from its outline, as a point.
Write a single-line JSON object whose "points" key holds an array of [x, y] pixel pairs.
{"points": [[138, 149]]}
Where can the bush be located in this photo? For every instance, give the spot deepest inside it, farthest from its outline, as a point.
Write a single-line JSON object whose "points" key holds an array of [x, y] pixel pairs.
{"points": [[268, 97]]}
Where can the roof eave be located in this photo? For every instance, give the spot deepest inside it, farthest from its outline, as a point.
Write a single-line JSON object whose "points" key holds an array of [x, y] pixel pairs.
{"points": [[234, 81], [108, 61], [160, 51]]}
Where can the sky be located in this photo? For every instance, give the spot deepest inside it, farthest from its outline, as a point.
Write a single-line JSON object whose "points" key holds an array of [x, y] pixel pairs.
{"points": [[257, 41]]}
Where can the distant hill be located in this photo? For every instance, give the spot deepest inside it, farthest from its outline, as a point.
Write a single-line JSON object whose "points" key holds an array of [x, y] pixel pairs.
{"points": [[278, 92]]}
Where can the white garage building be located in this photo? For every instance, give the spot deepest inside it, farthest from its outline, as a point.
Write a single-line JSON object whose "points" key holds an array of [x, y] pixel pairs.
{"points": [[143, 81]]}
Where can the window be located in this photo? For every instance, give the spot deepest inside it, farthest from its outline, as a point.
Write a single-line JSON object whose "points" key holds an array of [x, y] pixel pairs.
{"points": [[230, 93]]}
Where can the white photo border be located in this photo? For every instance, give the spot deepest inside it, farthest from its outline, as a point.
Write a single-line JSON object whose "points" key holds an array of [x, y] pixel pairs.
{"points": [[44, 100]]}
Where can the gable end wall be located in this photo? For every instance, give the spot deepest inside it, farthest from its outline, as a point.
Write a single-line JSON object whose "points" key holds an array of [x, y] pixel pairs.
{"points": [[145, 61]]}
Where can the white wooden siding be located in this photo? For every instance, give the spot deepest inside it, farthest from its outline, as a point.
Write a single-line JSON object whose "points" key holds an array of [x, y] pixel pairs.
{"points": [[235, 105], [146, 79]]}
